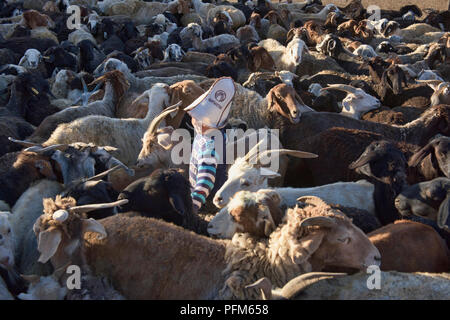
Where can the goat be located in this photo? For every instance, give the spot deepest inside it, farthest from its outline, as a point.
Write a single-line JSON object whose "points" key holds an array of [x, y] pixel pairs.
{"points": [[115, 87], [357, 102], [441, 93], [259, 112]]}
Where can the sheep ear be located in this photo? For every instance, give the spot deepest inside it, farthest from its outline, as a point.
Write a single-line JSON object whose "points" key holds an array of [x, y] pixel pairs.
{"points": [[307, 246], [91, 225], [267, 220], [45, 169], [443, 213], [177, 204], [267, 173], [48, 243]]}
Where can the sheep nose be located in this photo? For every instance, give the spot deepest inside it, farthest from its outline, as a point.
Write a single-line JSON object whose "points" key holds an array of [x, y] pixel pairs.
{"points": [[219, 199]]}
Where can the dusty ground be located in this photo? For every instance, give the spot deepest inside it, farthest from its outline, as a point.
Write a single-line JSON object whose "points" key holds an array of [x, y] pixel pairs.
{"points": [[396, 4]]}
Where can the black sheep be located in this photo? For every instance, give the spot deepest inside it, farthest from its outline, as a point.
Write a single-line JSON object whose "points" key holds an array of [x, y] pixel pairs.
{"points": [[165, 194], [29, 98], [90, 56], [57, 57]]}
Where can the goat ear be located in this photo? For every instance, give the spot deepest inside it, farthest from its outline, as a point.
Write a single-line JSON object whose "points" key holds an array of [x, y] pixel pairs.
{"points": [[177, 204], [267, 173], [48, 243], [164, 140], [91, 225], [443, 213], [420, 155], [307, 246], [271, 101]]}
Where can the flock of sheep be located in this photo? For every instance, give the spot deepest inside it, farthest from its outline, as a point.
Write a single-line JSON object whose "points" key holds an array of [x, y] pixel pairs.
{"points": [[87, 109]]}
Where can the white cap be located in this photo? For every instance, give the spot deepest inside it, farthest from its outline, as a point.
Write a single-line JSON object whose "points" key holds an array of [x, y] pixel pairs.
{"points": [[212, 107]]}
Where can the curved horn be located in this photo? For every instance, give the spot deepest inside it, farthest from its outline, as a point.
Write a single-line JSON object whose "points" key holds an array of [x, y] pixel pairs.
{"points": [[24, 142], [103, 174], [155, 123], [320, 221], [92, 207], [264, 285], [294, 287], [342, 87]]}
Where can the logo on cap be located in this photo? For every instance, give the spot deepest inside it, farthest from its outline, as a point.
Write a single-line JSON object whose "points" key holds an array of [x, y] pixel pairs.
{"points": [[220, 95]]}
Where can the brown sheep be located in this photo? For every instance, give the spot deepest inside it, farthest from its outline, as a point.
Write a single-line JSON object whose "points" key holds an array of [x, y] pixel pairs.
{"points": [[409, 246], [33, 19], [225, 267]]}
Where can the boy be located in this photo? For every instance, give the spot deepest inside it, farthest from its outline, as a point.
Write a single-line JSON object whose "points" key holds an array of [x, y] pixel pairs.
{"points": [[209, 114]]}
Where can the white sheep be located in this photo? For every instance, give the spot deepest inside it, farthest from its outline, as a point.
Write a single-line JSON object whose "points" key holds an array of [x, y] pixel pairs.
{"points": [[124, 134], [365, 51], [222, 42], [31, 59], [24, 213], [6, 241], [286, 58]]}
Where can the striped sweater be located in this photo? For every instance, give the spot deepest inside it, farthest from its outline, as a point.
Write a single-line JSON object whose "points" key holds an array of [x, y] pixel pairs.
{"points": [[206, 174]]}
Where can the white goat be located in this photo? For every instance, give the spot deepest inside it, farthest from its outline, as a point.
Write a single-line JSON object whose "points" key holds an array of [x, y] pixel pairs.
{"points": [[243, 175], [357, 102]]}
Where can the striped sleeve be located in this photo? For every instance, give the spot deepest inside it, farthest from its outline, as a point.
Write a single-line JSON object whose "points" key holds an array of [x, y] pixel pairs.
{"points": [[206, 176]]}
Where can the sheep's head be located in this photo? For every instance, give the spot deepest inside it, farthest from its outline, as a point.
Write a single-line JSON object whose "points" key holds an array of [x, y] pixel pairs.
{"points": [[117, 80], [296, 48], [60, 229], [385, 47], [193, 29], [321, 237], [247, 173], [283, 99], [383, 161], [357, 101], [31, 59], [174, 53], [6, 242], [255, 20], [157, 143], [112, 64], [438, 150], [287, 77], [76, 161], [257, 213], [441, 90], [430, 199], [274, 17]]}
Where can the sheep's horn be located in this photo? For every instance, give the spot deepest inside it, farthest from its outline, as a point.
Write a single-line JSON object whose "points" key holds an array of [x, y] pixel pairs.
{"points": [[294, 287], [40, 149], [433, 84], [117, 163], [24, 142], [264, 285], [343, 87], [155, 123], [92, 207], [140, 97]]}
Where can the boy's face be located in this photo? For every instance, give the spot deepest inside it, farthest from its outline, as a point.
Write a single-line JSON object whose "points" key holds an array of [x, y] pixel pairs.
{"points": [[199, 127]]}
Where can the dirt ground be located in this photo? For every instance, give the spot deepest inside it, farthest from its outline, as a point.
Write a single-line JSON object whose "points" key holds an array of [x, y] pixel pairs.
{"points": [[396, 4]]}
